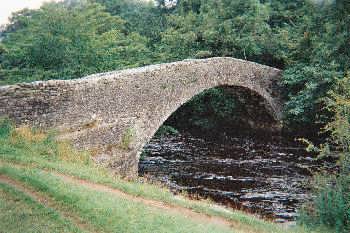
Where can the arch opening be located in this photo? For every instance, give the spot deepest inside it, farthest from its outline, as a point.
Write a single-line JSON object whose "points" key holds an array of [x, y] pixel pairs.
{"points": [[225, 110], [225, 144]]}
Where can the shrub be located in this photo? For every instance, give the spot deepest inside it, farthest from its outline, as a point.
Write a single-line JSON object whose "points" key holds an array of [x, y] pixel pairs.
{"points": [[330, 206]]}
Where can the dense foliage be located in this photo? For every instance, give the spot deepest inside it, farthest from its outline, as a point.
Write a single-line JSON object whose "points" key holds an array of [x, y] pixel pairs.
{"points": [[62, 41], [330, 206], [206, 112]]}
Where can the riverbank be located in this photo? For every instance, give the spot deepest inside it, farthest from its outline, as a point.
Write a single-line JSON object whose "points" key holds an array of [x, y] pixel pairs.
{"points": [[47, 187]]}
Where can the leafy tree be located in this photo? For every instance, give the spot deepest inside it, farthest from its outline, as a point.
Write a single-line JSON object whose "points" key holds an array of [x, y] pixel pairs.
{"points": [[68, 40], [330, 205], [140, 16], [319, 56], [241, 30]]}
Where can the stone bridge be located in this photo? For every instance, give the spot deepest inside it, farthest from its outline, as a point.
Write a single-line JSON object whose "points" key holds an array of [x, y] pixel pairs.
{"points": [[114, 114]]}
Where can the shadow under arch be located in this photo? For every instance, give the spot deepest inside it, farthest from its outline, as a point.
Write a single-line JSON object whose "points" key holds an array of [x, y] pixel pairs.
{"points": [[224, 108], [250, 112]]}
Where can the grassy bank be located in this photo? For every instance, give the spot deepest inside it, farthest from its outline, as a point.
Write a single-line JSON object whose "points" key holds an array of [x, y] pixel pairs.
{"points": [[36, 165], [20, 213]]}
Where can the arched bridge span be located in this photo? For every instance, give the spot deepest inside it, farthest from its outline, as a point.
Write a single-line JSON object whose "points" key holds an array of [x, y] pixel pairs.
{"points": [[114, 114]]}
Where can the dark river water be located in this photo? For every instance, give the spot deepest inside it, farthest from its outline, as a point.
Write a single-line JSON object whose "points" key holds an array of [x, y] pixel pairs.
{"points": [[266, 177]]}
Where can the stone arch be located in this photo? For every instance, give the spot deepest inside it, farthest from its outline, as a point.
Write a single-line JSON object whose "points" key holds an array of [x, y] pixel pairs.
{"points": [[256, 108], [115, 113], [159, 120]]}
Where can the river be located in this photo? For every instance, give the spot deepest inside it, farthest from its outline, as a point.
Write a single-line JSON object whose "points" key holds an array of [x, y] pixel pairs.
{"points": [[267, 177]]}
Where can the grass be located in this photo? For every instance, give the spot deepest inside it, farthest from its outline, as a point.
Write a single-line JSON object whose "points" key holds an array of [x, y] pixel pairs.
{"points": [[20, 213], [33, 158], [105, 211]]}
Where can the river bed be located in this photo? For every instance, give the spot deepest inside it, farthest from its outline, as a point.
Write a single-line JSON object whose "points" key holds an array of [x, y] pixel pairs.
{"points": [[265, 177]]}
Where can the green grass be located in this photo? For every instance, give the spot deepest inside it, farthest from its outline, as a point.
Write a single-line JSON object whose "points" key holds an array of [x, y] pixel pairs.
{"points": [[99, 175], [107, 212], [34, 159], [20, 213]]}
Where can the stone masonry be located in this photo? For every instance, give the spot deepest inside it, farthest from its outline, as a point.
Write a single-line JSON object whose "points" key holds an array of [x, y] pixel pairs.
{"points": [[114, 114]]}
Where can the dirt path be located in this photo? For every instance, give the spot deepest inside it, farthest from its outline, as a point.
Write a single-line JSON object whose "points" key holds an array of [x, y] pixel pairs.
{"points": [[47, 202], [188, 213], [200, 218]]}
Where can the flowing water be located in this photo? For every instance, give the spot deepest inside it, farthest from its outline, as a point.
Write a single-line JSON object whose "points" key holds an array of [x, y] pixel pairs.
{"points": [[266, 177]]}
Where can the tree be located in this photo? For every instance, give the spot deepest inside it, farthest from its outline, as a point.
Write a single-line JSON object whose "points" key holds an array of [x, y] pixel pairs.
{"points": [[318, 57], [69, 40]]}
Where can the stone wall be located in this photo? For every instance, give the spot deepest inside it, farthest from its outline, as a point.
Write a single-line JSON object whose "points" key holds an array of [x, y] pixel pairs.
{"points": [[114, 114]]}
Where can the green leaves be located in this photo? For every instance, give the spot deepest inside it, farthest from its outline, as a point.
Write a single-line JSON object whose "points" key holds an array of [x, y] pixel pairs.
{"points": [[69, 40], [306, 86]]}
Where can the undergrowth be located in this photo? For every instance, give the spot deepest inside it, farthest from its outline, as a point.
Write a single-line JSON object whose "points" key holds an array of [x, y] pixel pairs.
{"points": [[330, 206], [37, 143]]}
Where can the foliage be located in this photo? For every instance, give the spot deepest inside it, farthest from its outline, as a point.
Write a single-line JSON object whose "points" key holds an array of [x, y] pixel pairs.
{"points": [[166, 130], [320, 56], [68, 40], [5, 127], [330, 206], [140, 16], [339, 104], [221, 111]]}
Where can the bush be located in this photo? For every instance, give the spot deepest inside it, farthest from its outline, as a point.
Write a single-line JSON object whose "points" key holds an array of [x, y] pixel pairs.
{"points": [[330, 206]]}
